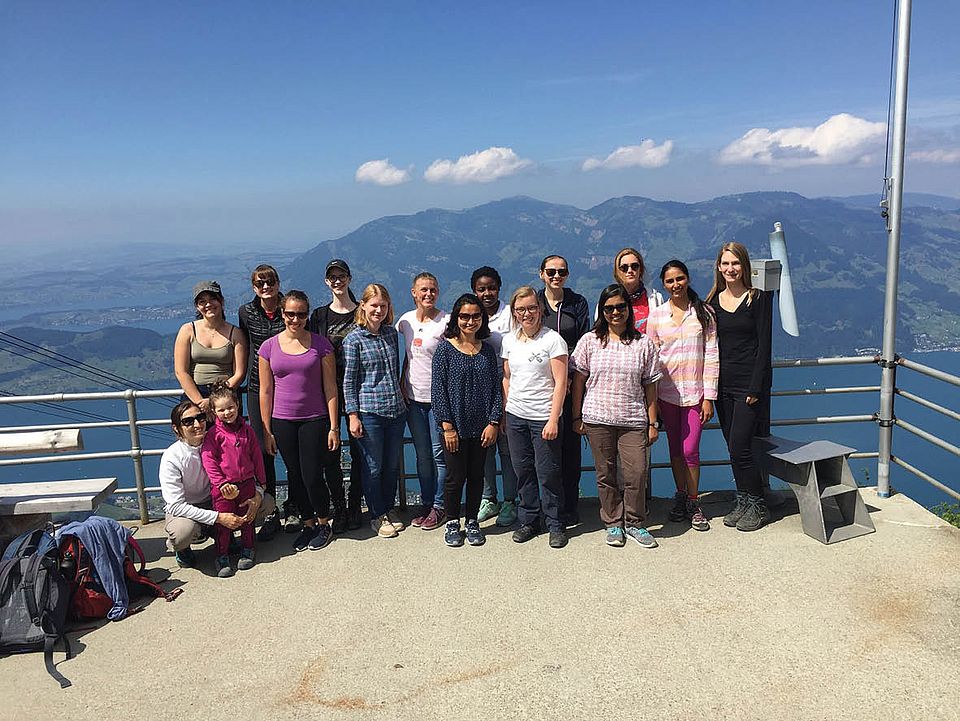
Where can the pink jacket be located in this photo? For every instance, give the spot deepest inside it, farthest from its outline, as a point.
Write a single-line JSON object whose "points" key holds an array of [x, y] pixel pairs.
{"points": [[232, 454]]}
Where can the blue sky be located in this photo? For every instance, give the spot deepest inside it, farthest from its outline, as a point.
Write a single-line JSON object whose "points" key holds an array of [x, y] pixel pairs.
{"points": [[251, 123]]}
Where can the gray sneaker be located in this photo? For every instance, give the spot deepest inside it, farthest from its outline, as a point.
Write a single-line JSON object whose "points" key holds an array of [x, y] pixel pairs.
{"points": [[642, 536], [756, 515], [739, 508], [246, 561], [615, 536]]}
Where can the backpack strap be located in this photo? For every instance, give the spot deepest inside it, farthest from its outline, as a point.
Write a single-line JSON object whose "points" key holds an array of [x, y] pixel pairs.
{"points": [[29, 593], [48, 643], [138, 556]]}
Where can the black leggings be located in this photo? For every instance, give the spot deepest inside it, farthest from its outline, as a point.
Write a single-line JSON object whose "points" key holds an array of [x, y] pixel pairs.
{"points": [[570, 460], [269, 467], [739, 420], [303, 446], [333, 473], [467, 465]]}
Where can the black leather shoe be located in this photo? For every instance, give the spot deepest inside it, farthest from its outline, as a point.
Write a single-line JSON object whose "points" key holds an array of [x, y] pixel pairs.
{"points": [[525, 533]]}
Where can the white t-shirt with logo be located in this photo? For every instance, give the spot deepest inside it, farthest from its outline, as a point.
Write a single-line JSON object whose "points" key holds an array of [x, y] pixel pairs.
{"points": [[420, 341], [531, 379], [500, 325]]}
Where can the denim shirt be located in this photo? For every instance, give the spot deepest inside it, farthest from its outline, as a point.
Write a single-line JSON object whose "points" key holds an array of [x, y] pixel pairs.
{"points": [[371, 380]]}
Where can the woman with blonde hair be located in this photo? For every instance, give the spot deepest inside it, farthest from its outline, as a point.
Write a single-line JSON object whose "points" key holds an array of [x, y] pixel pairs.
{"points": [[628, 271], [375, 405], [744, 337]]}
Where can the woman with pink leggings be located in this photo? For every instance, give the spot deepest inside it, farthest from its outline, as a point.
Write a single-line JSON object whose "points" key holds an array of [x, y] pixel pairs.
{"points": [[685, 331]]}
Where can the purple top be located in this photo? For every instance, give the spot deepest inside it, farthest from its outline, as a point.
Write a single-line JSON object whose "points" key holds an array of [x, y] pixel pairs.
{"points": [[297, 379]]}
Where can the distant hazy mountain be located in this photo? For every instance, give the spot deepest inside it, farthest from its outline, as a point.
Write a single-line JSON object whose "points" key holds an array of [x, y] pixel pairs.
{"points": [[837, 253], [910, 200]]}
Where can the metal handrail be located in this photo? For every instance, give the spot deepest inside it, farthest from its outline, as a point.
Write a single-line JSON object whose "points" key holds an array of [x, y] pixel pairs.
{"points": [[928, 371], [928, 404]]}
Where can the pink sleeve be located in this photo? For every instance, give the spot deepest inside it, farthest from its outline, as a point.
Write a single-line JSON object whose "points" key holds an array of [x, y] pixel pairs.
{"points": [[711, 363], [210, 457], [266, 349]]}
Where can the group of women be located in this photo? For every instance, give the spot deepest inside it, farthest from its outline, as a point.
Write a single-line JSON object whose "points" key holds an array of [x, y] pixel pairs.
{"points": [[525, 380]]}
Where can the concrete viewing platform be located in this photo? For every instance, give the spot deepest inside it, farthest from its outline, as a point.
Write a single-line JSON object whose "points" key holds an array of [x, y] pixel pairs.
{"points": [[722, 624]]}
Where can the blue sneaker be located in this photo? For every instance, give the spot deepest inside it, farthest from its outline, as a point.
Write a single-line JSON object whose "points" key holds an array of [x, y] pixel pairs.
{"points": [[224, 569], [453, 536], [615, 536], [323, 536], [185, 558], [642, 536], [475, 536]]}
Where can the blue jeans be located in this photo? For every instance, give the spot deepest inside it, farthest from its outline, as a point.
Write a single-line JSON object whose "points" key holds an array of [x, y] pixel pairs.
{"points": [[506, 470], [380, 448], [431, 467], [537, 463]]}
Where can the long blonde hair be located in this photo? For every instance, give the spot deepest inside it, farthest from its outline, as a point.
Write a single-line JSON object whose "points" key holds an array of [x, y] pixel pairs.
{"points": [[719, 284], [524, 291], [360, 316]]}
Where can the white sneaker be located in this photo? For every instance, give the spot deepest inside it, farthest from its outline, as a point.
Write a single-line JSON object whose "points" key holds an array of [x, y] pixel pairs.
{"points": [[395, 520]]}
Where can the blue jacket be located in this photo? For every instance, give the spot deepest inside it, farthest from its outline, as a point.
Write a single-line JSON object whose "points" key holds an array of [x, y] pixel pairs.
{"points": [[106, 542]]}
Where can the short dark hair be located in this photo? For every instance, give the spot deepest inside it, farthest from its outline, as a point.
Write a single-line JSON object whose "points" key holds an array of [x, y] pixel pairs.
{"points": [[295, 295], [485, 271], [453, 329], [543, 263]]}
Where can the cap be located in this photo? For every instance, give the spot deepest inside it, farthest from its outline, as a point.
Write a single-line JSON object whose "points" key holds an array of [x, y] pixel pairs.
{"points": [[337, 263], [206, 286]]}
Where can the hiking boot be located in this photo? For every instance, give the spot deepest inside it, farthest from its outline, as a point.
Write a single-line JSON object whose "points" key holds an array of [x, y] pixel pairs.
{"points": [[224, 570], [525, 533], [304, 537], [339, 520], [434, 519], [354, 518], [384, 527], [642, 536], [679, 511], [488, 509], [246, 561], [615, 536], [270, 527], [185, 558], [508, 514], [475, 536], [453, 536], [756, 515], [558, 538], [739, 508], [698, 521], [395, 519], [292, 524], [323, 536]]}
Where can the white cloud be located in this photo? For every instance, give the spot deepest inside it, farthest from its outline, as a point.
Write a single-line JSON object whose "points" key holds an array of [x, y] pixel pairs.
{"points": [[936, 156], [381, 172], [646, 155], [484, 166], [839, 140]]}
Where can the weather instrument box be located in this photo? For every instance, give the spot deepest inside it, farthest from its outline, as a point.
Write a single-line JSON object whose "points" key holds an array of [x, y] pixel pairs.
{"points": [[765, 273]]}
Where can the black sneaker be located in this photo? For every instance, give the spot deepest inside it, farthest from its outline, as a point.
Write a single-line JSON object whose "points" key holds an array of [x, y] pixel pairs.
{"points": [[475, 536], [292, 524], [303, 539], [756, 515], [354, 518], [270, 527], [452, 534], [679, 511], [739, 508], [185, 558], [323, 536], [558, 538], [339, 520], [525, 533]]}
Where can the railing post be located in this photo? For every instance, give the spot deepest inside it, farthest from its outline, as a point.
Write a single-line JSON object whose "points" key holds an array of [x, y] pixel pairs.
{"points": [[136, 453], [888, 357]]}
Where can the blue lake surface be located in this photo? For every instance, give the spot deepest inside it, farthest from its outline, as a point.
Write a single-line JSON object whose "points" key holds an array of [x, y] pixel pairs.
{"points": [[862, 436]]}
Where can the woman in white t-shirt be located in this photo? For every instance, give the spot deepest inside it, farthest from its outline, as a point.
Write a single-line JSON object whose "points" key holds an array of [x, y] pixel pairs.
{"points": [[422, 330], [534, 387]]}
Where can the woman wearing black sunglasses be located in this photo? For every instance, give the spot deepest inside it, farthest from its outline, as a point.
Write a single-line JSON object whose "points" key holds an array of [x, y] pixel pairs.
{"points": [[628, 271], [567, 313]]}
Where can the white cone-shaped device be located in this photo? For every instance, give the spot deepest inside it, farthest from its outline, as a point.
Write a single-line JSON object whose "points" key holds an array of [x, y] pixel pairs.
{"points": [[788, 310]]}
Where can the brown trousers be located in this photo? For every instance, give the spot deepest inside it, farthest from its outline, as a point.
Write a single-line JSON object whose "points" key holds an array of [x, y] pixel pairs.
{"points": [[615, 446]]}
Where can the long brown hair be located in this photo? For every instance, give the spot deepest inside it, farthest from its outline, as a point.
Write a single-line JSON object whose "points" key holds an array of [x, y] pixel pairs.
{"points": [[616, 265], [719, 284]]}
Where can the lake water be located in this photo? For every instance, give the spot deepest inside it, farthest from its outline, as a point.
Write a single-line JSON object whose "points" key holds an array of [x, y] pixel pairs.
{"points": [[863, 436]]}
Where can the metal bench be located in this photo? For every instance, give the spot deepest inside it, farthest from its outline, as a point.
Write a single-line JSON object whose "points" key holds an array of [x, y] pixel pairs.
{"points": [[831, 508], [28, 505]]}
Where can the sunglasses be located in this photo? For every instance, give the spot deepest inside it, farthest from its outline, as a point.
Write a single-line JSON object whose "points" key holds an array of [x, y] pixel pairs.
{"points": [[191, 420], [612, 308], [265, 283], [562, 272], [295, 314], [625, 267], [467, 317]]}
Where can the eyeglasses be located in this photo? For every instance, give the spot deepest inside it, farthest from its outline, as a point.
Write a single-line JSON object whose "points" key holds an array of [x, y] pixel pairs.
{"points": [[562, 272], [626, 267], [530, 310], [264, 282], [337, 278], [191, 420], [612, 308], [468, 317], [295, 314]]}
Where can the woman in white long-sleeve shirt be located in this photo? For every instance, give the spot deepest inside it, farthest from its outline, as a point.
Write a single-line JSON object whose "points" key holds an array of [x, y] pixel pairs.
{"points": [[186, 488]]}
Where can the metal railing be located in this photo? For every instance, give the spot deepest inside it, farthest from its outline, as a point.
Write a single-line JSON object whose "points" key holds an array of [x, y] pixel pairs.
{"points": [[137, 453]]}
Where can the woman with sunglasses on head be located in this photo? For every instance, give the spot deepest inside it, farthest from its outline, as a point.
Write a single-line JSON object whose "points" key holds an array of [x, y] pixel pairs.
{"points": [[628, 270], [298, 399], [567, 313], [467, 399], [744, 336], [208, 349], [334, 321], [615, 406], [261, 319], [534, 388], [685, 332], [185, 486]]}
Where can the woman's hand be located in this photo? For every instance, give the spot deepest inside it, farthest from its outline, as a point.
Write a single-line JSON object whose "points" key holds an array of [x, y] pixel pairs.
{"points": [[204, 405], [356, 427], [550, 430], [252, 505], [706, 411], [333, 439], [269, 443], [229, 491], [230, 520], [653, 433], [451, 440], [751, 400], [489, 436], [579, 426]]}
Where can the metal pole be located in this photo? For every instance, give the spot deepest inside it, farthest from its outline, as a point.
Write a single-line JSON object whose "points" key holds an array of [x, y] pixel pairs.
{"points": [[136, 452], [888, 355]]}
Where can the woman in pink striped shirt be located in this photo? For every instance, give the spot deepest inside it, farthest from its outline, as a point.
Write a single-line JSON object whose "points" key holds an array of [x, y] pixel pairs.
{"points": [[685, 331]]}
